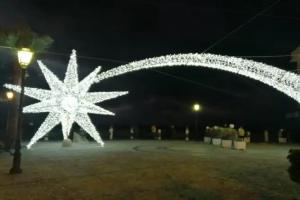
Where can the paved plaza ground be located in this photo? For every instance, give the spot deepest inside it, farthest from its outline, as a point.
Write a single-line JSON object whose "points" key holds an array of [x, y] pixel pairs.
{"points": [[149, 170]]}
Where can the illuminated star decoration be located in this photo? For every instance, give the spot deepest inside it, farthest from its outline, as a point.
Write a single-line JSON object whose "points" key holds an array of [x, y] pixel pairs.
{"points": [[67, 102]]}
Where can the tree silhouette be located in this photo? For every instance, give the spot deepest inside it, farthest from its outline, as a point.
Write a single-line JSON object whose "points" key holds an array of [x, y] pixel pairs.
{"points": [[24, 37]]}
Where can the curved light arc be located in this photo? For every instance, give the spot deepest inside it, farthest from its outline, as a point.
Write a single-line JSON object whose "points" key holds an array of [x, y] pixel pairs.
{"points": [[282, 80]]}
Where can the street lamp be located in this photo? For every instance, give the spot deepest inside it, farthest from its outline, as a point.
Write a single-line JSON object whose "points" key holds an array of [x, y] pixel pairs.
{"points": [[196, 108], [9, 95], [24, 57]]}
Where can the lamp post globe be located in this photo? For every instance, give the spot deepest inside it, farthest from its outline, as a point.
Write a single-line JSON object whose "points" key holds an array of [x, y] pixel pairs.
{"points": [[9, 95], [196, 107], [25, 56]]}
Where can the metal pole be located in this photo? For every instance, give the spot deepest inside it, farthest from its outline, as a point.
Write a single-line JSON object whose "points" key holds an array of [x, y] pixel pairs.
{"points": [[16, 167], [8, 129], [196, 126]]}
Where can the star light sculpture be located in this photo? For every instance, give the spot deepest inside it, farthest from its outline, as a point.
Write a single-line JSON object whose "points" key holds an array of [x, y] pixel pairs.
{"points": [[67, 102]]}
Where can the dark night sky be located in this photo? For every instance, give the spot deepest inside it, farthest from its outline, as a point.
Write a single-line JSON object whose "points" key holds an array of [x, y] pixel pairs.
{"points": [[127, 30]]}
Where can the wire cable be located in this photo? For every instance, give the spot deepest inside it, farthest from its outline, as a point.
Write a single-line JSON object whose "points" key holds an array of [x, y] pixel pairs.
{"points": [[195, 83], [240, 26]]}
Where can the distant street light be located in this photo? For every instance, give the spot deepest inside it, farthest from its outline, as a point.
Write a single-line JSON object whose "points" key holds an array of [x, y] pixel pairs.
{"points": [[196, 108], [24, 57]]}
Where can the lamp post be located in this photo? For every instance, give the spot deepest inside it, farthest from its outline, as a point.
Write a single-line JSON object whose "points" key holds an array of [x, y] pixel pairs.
{"points": [[24, 57], [9, 97], [196, 108]]}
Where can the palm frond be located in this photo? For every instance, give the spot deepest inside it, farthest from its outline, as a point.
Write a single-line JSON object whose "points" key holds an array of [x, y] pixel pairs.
{"points": [[40, 44], [11, 40]]}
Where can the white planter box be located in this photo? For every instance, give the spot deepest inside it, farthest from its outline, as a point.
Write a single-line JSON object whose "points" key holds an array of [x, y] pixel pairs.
{"points": [[227, 143], [207, 139], [282, 140], [216, 141], [240, 145]]}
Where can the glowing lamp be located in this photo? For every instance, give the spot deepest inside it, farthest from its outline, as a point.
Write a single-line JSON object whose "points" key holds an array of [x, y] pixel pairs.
{"points": [[24, 56], [196, 107], [9, 95]]}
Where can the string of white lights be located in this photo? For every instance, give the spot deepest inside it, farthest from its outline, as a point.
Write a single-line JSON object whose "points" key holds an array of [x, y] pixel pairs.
{"points": [[284, 81]]}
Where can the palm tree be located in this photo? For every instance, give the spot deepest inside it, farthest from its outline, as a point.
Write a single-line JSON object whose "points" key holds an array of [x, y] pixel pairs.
{"points": [[15, 39], [24, 37]]}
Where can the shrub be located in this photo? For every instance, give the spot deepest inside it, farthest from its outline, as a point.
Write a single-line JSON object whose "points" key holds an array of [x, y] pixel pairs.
{"points": [[294, 169], [216, 132], [228, 133]]}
